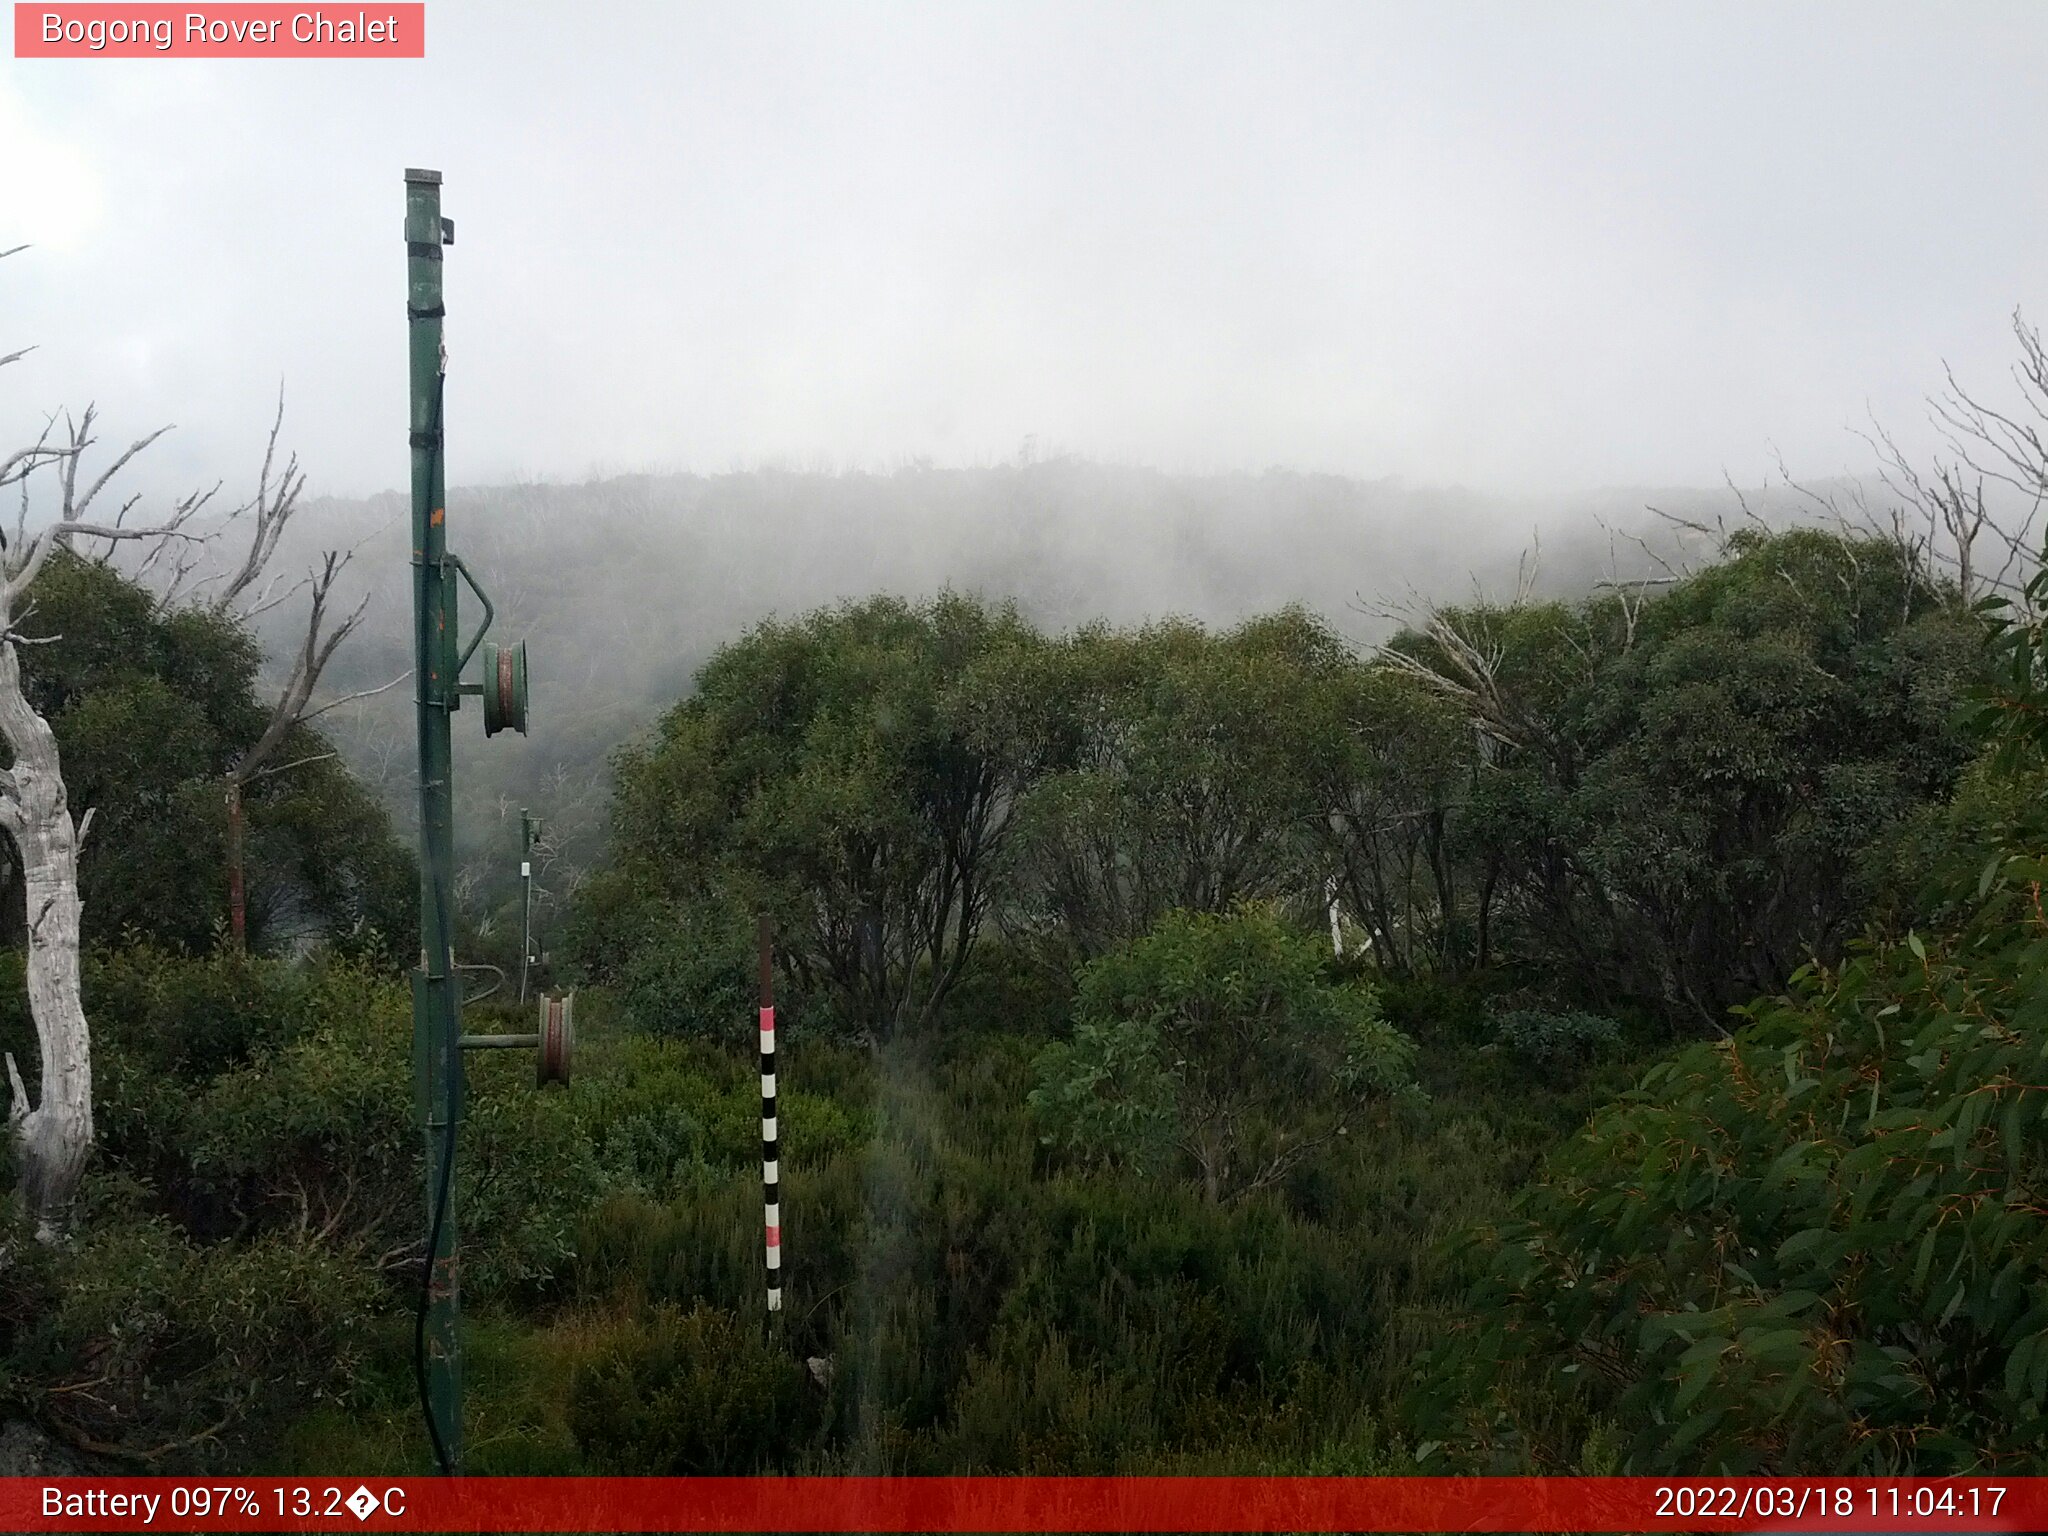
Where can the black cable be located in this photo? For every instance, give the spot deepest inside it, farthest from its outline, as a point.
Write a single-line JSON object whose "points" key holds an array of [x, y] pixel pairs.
{"points": [[419, 1330], [442, 949]]}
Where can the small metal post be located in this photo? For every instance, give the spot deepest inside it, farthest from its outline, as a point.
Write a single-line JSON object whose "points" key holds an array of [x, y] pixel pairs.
{"points": [[527, 827], [771, 1171]]}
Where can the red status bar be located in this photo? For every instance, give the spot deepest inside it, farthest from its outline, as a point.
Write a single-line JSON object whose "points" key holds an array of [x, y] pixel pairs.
{"points": [[910, 1504]]}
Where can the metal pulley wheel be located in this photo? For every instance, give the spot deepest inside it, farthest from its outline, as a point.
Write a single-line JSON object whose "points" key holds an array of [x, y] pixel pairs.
{"points": [[557, 1040], [504, 684]]}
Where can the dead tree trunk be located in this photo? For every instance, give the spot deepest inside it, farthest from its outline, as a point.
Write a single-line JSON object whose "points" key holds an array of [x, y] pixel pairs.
{"points": [[54, 1138]]}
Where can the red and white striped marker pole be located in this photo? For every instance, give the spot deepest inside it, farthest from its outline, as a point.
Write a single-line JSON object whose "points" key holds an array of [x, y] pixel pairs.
{"points": [[771, 1173]]}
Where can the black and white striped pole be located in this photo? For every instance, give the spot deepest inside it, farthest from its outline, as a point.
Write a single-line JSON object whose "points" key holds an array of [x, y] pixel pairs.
{"points": [[771, 1173]]}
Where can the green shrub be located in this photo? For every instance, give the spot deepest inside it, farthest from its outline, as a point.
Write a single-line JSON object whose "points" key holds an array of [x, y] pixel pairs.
{"points": [[527, 1176], [1219, 1039], [696, 976], [176, 1352], [161, 1019], [1546, 1039], [663, 1109], [1817, 1246], [192, 1017], [695, 1392], [1108, 1096], [316, 1125], [249, 1097]]}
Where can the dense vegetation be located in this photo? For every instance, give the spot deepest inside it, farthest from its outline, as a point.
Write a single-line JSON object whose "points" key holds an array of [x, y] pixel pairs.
{"points": [[1672, 802], [1203, 1050], [151, 708], [629, 583]]}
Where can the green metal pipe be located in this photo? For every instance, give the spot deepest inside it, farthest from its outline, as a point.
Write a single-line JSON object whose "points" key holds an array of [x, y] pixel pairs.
{"points": [[437, 1025]]}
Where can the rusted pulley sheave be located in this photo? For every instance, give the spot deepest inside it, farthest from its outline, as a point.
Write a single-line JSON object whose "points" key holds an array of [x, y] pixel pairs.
{"points": [[504, 684], [557, 1039]]}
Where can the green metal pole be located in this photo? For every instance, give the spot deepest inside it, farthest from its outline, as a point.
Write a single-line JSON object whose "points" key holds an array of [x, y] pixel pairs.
{"points": [[437, 1055]]}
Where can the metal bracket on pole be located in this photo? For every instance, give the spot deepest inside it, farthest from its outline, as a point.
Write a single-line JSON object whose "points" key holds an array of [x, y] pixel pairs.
{"points": [[455, 564], [555, 1040]]}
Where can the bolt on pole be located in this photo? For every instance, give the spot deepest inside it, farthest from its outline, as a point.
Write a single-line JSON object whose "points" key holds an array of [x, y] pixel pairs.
{"points": [[437, 1054]]}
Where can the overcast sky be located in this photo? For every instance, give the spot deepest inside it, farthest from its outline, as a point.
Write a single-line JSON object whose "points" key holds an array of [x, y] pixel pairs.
{"points": [[1517, 247]]}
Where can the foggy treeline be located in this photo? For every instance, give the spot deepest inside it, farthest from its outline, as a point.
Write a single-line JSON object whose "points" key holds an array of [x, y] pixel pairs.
{"points": [[623, 586]]}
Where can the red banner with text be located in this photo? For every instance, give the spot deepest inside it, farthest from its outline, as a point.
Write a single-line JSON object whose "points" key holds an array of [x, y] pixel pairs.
{"points": [[252, 30]]}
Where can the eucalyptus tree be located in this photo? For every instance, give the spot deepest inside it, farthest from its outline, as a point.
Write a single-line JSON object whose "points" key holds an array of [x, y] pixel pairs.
{"points": [[1816, 1245], [187, 574], [1396, 797], [1187, 770], [1680, 794], [842, 773]]}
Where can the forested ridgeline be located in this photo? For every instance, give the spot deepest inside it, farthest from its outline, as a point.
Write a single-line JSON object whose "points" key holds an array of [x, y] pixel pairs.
{"points": [[1599, 1033], [629, 583]]}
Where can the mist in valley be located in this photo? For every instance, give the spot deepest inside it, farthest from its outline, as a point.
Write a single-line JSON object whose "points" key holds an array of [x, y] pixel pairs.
{"points": [[1061, 283]]}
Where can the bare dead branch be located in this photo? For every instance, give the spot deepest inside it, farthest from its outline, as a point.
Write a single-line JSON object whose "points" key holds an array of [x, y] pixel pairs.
{"points": [[74, 511], [189, 551], [273, 597], [26, 564], [19, 464], [297, 762], [270, 510], [314, 653], [351, 698]]}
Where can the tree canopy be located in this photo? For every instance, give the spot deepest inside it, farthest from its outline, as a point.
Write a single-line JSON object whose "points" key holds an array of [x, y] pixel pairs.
{"points": [[1220, 1041], [150, 708], [1817, 1245], [1680, 790], [837, 774]]}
